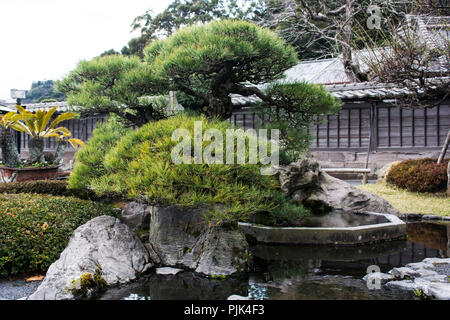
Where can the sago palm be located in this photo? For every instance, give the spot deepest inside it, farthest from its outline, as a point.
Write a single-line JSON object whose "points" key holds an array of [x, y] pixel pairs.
{"points": [[39, 126], [10, 155]]}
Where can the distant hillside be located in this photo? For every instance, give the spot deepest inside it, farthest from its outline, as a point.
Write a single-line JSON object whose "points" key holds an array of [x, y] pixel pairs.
{"points": [[43, 90]]}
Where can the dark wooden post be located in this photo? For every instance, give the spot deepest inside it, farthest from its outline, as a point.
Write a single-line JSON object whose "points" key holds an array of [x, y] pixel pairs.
{"points": [[373, 134], [444, 148], [18, 134], [448, 185]]}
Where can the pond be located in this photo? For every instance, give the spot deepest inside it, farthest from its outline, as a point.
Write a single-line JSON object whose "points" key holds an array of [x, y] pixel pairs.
{"points": [[301, 272]]}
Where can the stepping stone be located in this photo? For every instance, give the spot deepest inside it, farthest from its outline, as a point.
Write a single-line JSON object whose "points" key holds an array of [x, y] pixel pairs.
{"points": [[402, 285], [403, 272], [382, 277], [168, 271]]}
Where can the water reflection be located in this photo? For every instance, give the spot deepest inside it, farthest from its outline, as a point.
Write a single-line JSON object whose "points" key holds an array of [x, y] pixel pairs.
{"points": [[302, 272]]}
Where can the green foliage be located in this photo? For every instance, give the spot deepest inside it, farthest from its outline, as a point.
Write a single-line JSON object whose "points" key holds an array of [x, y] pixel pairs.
{"points": [[35, 229], [10, 154], [211, 61], [140, 166], [205, 64], [419, 175], [136, 46], [218, 276], [253, 53], [188, 12], [294, 107], [110, 52], [52, 187], [39, 125], [89, 160], [116, 84]]}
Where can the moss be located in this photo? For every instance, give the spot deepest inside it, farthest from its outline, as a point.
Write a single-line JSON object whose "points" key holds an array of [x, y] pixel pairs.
{"points": [[218, 276], [87, 284], [420, 294]]}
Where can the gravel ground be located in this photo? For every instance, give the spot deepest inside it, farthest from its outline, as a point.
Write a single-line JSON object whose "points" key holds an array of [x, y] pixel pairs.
{"points": [[16, 289]]}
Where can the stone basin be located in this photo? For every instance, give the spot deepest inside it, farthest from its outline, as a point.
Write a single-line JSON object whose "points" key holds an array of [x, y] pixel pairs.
{"points": [[373, 227]]}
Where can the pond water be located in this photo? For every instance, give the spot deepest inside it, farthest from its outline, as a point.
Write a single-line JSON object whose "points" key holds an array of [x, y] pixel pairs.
{"points": [[301, 272]]}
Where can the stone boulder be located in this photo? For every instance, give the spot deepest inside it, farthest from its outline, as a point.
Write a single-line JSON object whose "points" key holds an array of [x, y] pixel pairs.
{"points": [[430, 276], [383, 172], [136, 215], [102, 247], [305, 182], [182, 238]]}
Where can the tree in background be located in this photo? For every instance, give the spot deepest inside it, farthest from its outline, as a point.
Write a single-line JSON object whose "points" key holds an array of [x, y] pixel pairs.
{"points": [[42, 91], [181, 13], [320, 28], [416, 57]]}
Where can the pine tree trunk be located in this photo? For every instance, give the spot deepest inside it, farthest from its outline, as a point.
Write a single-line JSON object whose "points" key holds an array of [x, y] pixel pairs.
{"points": [[220, 107], [10, 155], [36, 149]]}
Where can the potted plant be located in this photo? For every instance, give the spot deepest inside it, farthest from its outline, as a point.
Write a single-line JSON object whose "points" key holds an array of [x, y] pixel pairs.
{"points": [[39, 126]]}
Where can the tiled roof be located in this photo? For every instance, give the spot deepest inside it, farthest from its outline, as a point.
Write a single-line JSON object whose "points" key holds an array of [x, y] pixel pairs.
{"points": [[346, 92], [366, 91], [61, 106], [326, 71]]}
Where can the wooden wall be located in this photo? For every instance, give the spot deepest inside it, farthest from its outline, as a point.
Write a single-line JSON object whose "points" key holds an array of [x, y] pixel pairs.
{"points": [[393, 128]]}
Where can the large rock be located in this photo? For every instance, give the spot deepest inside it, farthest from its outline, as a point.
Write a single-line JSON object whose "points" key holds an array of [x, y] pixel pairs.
{"points": [[305, 182], [383, 172], [429, 276], [103, 246], [181, 237]]}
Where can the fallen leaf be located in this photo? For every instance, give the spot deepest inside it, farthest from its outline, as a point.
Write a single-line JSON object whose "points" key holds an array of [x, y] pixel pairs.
{"points": [[34, 278]]}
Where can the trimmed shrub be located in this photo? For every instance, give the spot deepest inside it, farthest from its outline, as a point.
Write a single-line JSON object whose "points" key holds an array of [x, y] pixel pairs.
{"points": [[140, 167], [35, 229], [89, 159], [54, 187], [419, 175]]}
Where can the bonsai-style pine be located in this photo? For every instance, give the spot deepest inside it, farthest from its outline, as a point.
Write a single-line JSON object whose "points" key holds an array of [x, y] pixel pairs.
{"points": [[205, 63]]}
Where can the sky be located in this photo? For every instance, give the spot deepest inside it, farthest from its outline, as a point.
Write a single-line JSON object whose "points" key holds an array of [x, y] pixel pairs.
{"points": [[45, 39]]}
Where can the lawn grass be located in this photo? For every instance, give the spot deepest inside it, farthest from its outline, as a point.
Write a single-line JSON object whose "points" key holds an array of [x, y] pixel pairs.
{"points": [[411, 202]]}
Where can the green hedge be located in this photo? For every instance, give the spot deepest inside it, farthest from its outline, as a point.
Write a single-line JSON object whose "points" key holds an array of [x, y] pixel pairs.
{"points": [[52, 187], [140, 166], [35, 229], [419, 175]]}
